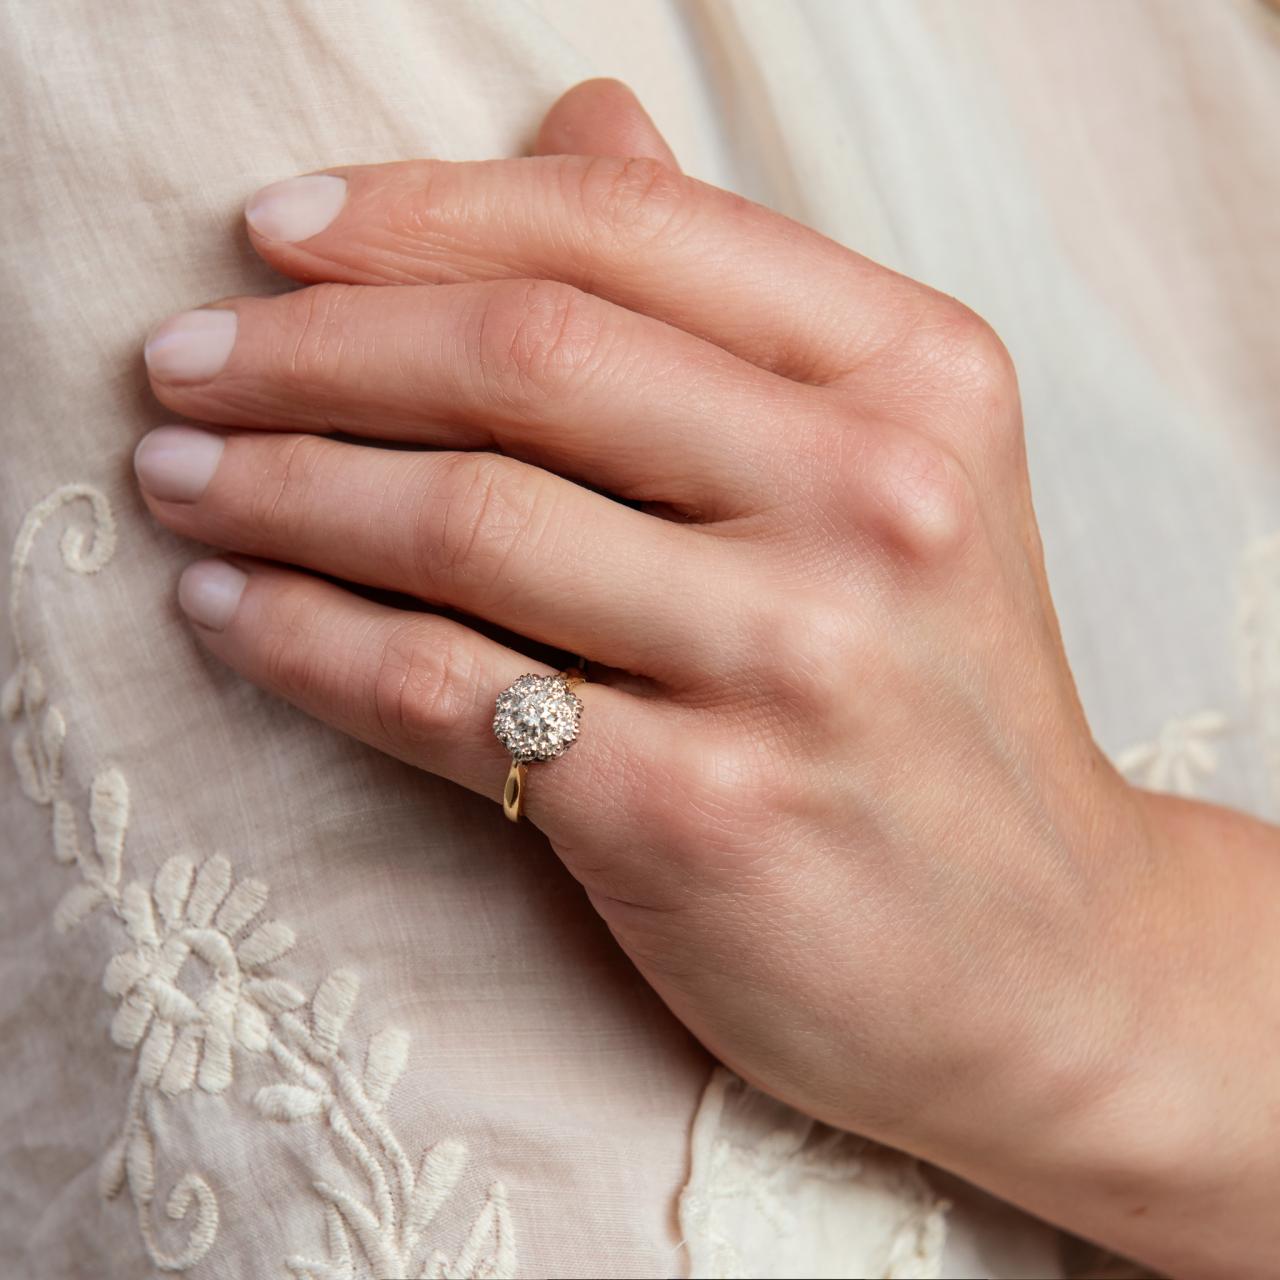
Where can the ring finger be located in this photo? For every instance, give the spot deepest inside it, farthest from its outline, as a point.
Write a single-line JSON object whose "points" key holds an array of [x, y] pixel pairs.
{"points": [[422, 688], [479, 532]]}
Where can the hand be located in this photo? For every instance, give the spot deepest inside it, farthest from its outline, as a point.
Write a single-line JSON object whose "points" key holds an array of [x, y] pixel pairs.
{"points": [[834, 793]]}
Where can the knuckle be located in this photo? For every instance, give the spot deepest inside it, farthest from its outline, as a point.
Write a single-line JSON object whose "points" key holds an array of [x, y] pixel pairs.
{"points": [[632, 202], [966, 353], [537, 337], [417, 202], [475, 513], [292, 664], [984, 362], [278, 497], [916, 497], [715, 805], [422, 685], [314, 334], [807, 654]]}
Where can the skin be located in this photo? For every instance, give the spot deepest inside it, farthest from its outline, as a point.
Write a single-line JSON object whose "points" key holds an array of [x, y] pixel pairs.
{"points": [[835, 794]]}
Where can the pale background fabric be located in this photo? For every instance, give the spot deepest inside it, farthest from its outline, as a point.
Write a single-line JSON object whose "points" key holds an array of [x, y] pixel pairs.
{"points": [[1101, 187]]}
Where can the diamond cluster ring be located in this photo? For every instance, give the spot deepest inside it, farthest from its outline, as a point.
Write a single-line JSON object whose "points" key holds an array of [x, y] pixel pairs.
{"points": [[536, 719]]}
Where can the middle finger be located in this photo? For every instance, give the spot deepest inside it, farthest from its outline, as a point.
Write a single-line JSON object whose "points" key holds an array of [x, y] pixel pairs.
{"points": [[480, 532], [536, 368]]}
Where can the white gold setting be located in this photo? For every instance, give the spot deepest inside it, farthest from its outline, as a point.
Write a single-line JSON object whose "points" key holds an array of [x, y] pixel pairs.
{"points": [[537, 718]]}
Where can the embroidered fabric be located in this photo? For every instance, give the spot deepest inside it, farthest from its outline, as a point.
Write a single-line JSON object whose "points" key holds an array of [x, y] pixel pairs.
{"points": [[419, 1051], [771, 1193], [195, 979]]}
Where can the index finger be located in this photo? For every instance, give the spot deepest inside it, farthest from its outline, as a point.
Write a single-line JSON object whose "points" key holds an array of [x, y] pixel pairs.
{"points": [[633, 231]]}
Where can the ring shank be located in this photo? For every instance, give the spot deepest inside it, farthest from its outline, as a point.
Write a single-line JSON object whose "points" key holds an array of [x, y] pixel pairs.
{"points": [[513, 791]]}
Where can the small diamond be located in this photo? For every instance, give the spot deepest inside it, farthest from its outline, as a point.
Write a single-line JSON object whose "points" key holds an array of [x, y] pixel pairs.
{"points": [[537, 717]]}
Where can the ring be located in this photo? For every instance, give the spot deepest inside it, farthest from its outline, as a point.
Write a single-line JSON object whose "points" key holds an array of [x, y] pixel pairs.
{"points": [[536, 718]]}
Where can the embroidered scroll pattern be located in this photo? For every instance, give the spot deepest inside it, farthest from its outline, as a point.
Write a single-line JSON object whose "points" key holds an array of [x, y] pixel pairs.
{"points": [[196, 988]]}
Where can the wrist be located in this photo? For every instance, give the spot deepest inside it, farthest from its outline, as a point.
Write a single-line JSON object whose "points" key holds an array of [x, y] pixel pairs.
{"points": [[1146, 1120]]}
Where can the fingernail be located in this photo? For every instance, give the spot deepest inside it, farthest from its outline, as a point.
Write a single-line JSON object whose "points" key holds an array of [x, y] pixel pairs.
{"points": [[297, 208], [191, 346], [175, 464], [209, 591]]}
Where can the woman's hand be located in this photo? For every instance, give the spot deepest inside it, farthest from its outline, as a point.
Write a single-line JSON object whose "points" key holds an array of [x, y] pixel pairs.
{"points": [[834, 793]]}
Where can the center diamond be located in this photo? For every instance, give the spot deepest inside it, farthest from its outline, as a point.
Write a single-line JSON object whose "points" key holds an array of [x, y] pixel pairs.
{"points": [[537, 718]]}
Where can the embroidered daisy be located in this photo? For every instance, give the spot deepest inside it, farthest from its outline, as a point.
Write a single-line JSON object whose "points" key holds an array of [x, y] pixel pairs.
{"points": [[186, 984], [1179, 757]]}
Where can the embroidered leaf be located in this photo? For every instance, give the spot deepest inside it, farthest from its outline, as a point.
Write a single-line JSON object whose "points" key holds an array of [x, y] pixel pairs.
{"points": [[76, 904], [109, 817], [66, 832], [11, 696], [131, 1020], [53, 733], [338, 1238], [155, 1052], [1133, 758], [245, 901], [111, 1170], [442, 1166], [171, 1003], [214, 1074], [287, 1102], [172, 887], [252, 1029], [124, 971], [380, 1253], [214, 950], [140, 1165], [212, 882], [385, 1062], [180, 1072], [331, 1008], [1207, 722], [490, 1245], [274, 994], [266, 943], [139, 918], [29, 776], [33, 691]]}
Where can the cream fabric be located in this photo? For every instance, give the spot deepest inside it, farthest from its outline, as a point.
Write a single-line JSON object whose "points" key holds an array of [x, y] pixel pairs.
{"points": [[361, 1025]]}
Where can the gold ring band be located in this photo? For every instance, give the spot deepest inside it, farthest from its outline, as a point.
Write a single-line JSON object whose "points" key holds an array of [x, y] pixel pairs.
{"points": [[513, 792]]}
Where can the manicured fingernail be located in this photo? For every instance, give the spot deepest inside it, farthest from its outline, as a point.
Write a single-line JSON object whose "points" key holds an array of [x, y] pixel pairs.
{"points": [[297, 208], [175, 464], [191, 346], [209, 591]]}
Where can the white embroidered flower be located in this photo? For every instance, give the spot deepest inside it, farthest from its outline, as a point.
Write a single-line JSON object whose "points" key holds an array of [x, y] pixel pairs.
{"points": [[186, 984], [1180, 755]]}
